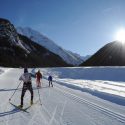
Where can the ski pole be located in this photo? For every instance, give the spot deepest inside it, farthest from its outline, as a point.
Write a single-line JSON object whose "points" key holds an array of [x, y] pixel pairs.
{"points": [[14, 91], [39, 96]]}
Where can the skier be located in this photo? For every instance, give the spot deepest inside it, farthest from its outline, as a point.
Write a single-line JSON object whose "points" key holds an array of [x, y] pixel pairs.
{"points": [[27, 85], [50, 80], [38, 77]]}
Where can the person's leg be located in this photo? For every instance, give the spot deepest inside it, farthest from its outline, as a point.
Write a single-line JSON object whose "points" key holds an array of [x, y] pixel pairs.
{"points": [[31, 92], [39, 83], [22, 95], [51, 84]]}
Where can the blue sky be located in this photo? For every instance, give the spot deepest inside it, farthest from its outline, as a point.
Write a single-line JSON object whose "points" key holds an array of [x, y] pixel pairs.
{"points": [[82, 26]]}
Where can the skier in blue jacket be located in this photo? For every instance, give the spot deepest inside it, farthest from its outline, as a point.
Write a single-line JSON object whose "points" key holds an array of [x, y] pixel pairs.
{"points": [[50, 80]]}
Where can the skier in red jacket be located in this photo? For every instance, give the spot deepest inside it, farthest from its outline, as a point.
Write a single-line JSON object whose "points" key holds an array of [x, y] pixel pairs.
{"points": [[38, 77]]}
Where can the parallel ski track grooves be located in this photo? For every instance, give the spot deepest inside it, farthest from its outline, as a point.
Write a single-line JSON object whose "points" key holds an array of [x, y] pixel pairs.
{"points": [[108, 112]]}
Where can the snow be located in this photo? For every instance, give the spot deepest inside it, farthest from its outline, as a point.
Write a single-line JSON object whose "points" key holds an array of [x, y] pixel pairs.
{"points": [[3, 70], [102, 79], [68, 56], [89, 73], [77, 98]]}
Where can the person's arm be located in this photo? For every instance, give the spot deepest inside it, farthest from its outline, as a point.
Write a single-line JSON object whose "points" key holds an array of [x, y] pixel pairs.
{"points": [[21, 78], [30, 78]]}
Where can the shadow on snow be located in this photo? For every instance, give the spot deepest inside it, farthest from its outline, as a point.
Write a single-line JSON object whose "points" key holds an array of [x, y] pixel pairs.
{"points": [[15, 110], [1, 90], [20, 89]]}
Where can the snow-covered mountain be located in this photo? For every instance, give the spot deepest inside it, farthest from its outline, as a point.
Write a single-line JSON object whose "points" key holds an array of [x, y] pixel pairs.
{"points": [[19, 51], [111, 54], [68, 56], [7, 31]]}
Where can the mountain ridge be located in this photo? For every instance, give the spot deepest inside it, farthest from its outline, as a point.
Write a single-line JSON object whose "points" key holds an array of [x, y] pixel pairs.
{"points": [[19, 51], [68, 56], [112, 54]]}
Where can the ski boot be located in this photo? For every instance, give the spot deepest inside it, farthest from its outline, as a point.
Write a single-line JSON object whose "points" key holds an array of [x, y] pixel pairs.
{"points": [[20, 106], [31, 102]]}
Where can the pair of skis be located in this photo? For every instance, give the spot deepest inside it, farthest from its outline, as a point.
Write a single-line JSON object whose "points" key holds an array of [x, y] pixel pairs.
{"points": [[22, 109]]}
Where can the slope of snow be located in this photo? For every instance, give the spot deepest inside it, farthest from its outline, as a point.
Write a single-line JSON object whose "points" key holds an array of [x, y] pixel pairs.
{"points": [[3, 70], [61, 105], [90, 73], [68, 56], [101, 79]]}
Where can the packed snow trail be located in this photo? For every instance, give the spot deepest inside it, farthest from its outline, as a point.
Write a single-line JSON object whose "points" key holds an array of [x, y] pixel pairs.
{"points": [[60, 105]]}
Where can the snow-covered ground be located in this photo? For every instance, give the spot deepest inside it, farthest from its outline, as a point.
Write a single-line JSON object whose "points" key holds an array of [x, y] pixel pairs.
{"points": [[3, 70], [109, 80], [80, 96]]}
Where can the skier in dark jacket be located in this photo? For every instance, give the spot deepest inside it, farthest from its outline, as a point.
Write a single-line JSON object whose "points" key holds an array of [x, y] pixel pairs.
{"points": [[27, 85], [50, 80]]}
